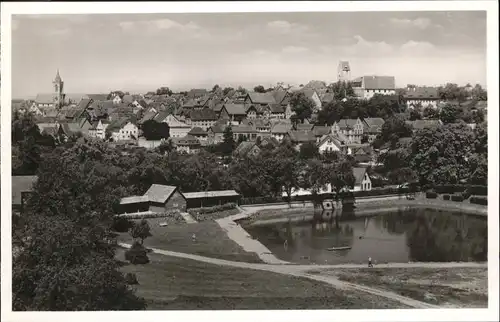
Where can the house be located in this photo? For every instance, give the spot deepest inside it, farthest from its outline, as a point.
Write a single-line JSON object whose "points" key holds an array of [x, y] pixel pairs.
{"points": [[366, 87], [117, 100], [211, 198], [197, 93], [203, 118], [362, 181], [362, 153], [22, 186], [252, 111], [178, 129], [312, 95], [149, 115], [260, 99], [262, 126], [244, 132], [246, 149], [277, 111], [320, 131], [127, 99], [330, 143], [269, 142], [372, 127], [98, 97], [158, 199], [352, 129], [424, 124], [421, 96], [43, 101], [123, 130], [235, 113], [98, 129], [300, 137], [188, 144], [82, 126], [279, 130], [216, 132], [199, 133]]}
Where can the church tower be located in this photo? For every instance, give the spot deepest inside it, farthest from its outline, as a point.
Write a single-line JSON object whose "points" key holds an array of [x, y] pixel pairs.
{"points": [[58, 91], [344, 72]]}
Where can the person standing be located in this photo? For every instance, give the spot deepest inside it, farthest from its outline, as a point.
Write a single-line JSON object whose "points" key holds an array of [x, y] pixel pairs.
{"points": [[370, 262]]}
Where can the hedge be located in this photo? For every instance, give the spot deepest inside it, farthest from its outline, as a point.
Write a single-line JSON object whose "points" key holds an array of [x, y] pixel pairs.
{"points": [[455, 188], [173, 214], [209, 210], [137, 254], [446, 197], [431, 195], [458, 198], [479, 200]]}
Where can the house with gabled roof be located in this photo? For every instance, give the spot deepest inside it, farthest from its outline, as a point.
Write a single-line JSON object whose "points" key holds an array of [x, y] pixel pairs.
{"points": [[279, 130], [424, 124], [188, 144], [331, 143], [244, 132], [197, 92], [372, 127], [246, 149], [362, 181], [263, 126], [235, 113], [421, 96], [98, 129], [123, 130], [178, 128], [352, 129], [300, 137], [203, 118], [158, 199], [216, 131], [367, 86], [199, 133], [260, 98]]}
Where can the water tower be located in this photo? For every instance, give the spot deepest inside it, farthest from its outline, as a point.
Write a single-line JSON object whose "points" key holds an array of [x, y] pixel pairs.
{"points": [[344, 72]]}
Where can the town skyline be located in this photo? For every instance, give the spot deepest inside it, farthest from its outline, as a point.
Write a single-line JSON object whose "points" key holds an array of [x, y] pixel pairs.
{"points": [[141, 52]]}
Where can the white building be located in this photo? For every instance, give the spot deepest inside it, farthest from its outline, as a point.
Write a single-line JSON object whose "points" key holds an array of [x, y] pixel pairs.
{"points": [[367, 86], [128, 131], [362, 180], [98, 129]]}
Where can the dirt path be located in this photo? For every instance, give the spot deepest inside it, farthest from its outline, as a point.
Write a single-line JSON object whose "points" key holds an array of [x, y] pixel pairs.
{"points": [[302, 271]]}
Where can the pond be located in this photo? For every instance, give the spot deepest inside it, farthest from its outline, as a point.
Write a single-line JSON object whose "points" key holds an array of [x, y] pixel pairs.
{"points": [[416, 235]]}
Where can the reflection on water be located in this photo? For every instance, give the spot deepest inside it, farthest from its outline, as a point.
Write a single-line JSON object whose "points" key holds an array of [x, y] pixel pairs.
{"points": [[409, 235]]}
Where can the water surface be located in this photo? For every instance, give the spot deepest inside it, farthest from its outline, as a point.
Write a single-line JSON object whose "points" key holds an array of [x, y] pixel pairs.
{"points": [[417, 235]]}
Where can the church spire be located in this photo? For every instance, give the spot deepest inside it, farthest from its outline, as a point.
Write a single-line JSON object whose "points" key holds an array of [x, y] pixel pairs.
{"points": [[58, 77]]}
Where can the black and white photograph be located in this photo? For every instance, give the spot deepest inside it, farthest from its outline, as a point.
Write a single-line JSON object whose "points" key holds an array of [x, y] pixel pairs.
{"points": [[213, 159]]}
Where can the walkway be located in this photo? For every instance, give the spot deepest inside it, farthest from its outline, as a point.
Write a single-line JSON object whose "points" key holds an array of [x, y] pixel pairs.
{"points": [[188, 218], [303, 271]]}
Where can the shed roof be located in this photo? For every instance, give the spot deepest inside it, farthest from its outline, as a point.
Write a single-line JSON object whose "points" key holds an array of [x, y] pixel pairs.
{"points": [[262, 98], [379, 82], [133, 199], [210, 194], [235, 109]]}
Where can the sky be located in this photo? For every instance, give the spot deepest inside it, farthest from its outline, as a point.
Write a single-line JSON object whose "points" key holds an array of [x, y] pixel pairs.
{"points": [[141, 52]]}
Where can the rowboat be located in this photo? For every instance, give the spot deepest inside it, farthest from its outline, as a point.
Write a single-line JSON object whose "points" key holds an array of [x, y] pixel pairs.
{"points": [[339, 248]]}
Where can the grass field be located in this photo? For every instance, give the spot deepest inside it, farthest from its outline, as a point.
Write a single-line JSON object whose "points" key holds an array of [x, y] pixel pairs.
{"points": [[169, 283], [447, 287], [211, 240]]}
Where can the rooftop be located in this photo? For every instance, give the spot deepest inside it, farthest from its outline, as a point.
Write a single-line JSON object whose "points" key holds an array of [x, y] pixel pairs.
{"points": [[210, 194], [159, 193]]}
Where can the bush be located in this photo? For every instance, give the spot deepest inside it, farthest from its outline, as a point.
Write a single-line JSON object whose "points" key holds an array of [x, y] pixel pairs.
{"points": [[137, 254], [122, 224], [466, 194], [209, 210], [458, 198], [431, 195], [479, 200], [173, 213], [131, 279], [455, 188], [478, 190], [446, 197]]}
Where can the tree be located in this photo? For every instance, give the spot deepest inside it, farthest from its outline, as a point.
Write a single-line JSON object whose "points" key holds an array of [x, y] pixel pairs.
{"points": [[340, 177], [215, 88], [137, 254], [308, 150], [315, 176], [414, 115], [430, 113], [341, 90], [302, 106], [452, 92], [141, 231], [226, 90], [70, 210], [228, 144], [163, 91], [153, 130], [259, 89], [441, 155], [479, 94], [395, 127], [449, 113]]}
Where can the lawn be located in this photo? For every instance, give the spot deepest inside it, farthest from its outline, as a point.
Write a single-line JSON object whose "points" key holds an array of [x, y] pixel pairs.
{"points": [[169, 283], [447, 287], [211, 240]]}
